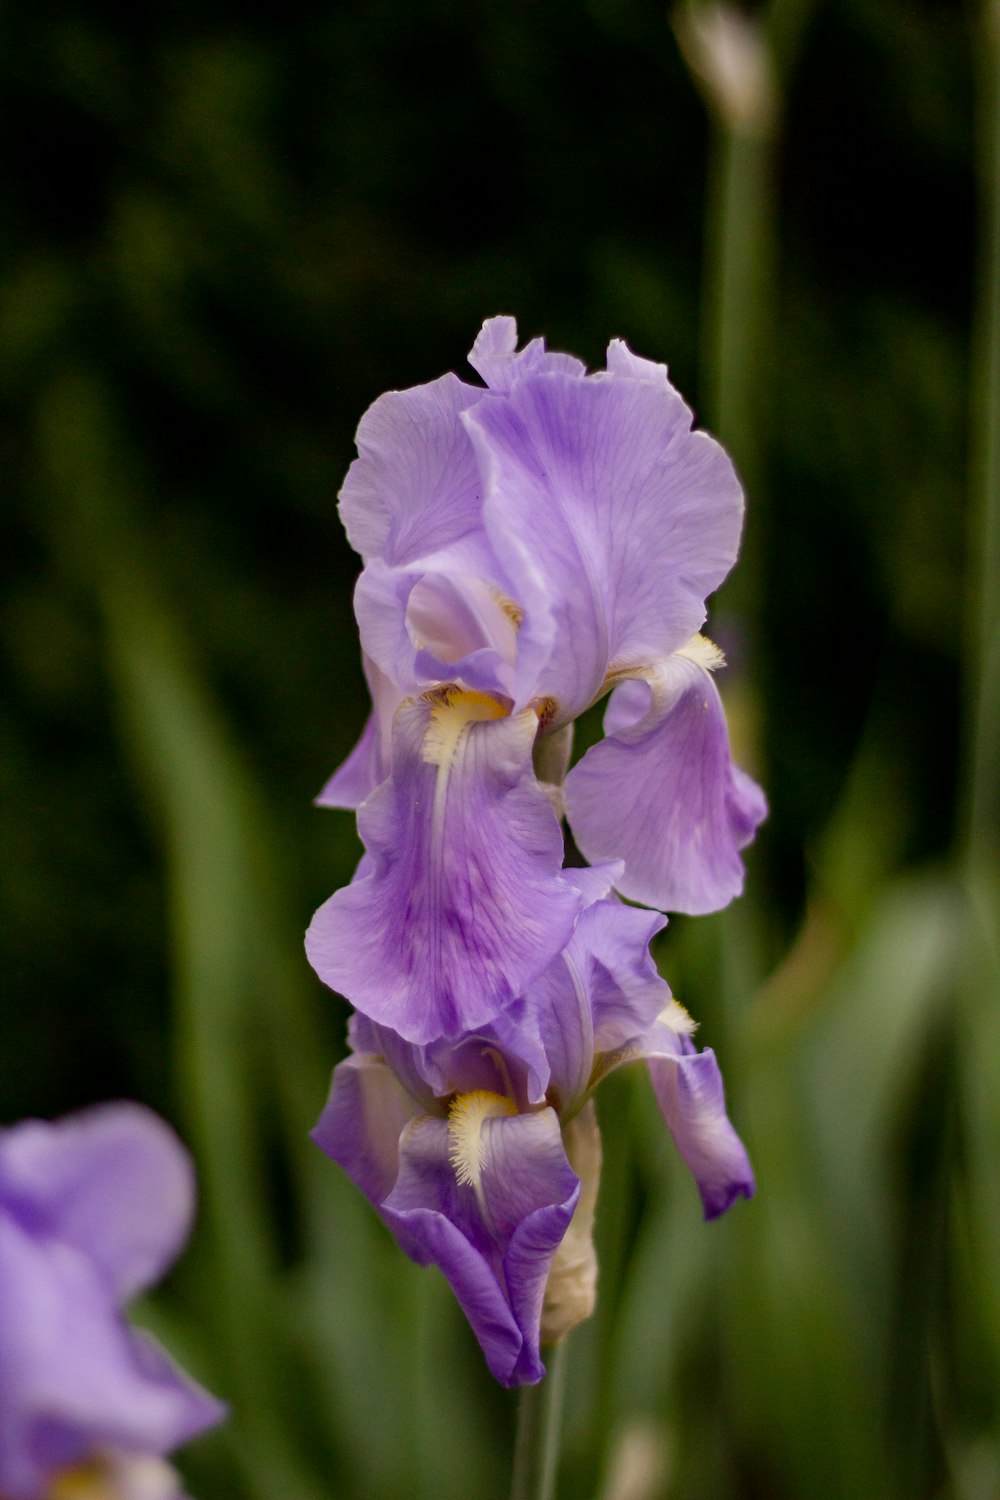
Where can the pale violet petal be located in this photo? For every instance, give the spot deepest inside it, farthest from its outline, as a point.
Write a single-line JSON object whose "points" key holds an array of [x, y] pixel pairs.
{"points": [[423, 627], [368, 763], [114, 1182], [493, 1238], [621, 361], [610, 945], [594, 882], [414, 486], [689, 1090], [599, 994], [358, 775], [362, 1121], [495, 356], [381, 596], [75, 1378], [462, 904], [662, 794], [607, 512]]}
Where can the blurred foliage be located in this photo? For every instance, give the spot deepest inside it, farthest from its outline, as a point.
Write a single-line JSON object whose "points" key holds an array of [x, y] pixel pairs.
{"points": [[226, 230]]}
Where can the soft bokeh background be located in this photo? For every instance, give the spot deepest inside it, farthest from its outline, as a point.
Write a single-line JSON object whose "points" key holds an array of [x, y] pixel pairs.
{"points": [[224, 233]]}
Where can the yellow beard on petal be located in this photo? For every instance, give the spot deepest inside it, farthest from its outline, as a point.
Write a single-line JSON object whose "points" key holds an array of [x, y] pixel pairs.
{"points": [[87, 1482], [453, 709], [113, 1476], [704, 653], [466, 1116], [677, 1018]]}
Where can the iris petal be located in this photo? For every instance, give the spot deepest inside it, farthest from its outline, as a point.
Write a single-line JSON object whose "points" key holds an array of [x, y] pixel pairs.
{"points": [[601, 992], [496, 358], [413, 487], [495, 1244], [113, 1165], [461, 904], [362, 1121], [688, 1087], [662, 794], [75, 1378], [367, 766], [610, 517]]}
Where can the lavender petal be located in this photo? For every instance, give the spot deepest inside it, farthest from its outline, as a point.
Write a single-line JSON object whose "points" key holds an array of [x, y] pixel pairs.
{"points": [[662, 794], [462, 903]]}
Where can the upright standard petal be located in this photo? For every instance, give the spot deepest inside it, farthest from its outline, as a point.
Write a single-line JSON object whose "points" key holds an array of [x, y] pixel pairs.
{"points": [[435, 623], [621, 361], [114, 1182], [414, 486], [661, 792], [688, 1087], [606, 510], [496, 358], [461, 904]]}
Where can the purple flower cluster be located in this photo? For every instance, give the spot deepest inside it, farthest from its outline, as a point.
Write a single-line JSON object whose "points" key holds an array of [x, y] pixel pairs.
{"points": [[528, 549], [93, 1208]]}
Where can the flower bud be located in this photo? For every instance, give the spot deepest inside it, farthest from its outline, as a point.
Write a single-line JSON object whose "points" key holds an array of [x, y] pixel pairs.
{"points": [[727, 53]]}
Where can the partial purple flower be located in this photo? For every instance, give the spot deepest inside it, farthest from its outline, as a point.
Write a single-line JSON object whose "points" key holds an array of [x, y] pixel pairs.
{"points": [[482, 1155], [532, 547], [93, 1208]]}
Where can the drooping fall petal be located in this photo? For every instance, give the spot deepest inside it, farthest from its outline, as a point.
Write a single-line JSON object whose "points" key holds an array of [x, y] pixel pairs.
{"points": [[461, 903]]}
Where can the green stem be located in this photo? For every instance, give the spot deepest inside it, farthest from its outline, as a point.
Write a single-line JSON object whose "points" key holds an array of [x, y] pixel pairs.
{"points": [[539, 1418], [738, 255], [983, 787]]}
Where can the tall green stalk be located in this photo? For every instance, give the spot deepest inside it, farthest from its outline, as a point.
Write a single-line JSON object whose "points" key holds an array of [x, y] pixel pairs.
{"points": [[979, 849], [982, 832], [536, 1444], [741, 65]]}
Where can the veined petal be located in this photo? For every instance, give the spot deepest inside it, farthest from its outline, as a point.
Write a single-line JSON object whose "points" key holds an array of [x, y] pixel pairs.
{"points": [[606, 510], [358, 775], [414, 486], [494, 1238], [114, 1182], [494, 355], [627, 993], [662, 793], [594, 882], [452, 617], [423, 627], [367, 766], [462, 904], [381, 596], [362, 1121], [621, 361], [688, 1087], [601, 992]]}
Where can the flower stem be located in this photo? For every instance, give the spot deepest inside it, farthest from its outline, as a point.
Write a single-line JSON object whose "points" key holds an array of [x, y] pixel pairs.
{"points": [[539, 1418], [983, 694]]}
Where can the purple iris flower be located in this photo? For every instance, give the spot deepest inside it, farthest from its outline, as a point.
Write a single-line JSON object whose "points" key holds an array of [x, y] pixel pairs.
{"points": [[482, 1156], [527, 549], [93, 1208]]}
